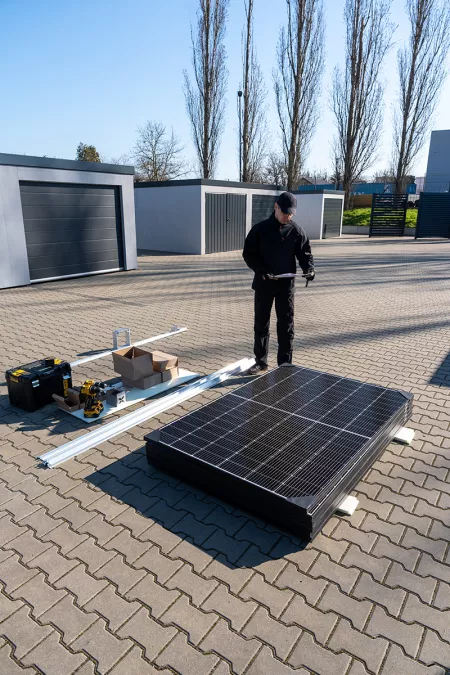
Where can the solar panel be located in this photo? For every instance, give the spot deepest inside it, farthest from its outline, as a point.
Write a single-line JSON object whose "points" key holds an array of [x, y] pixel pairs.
{"points": [[288, 445]]}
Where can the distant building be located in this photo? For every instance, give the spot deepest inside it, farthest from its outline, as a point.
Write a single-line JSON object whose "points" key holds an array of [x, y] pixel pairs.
{"points": [[438, 169]]}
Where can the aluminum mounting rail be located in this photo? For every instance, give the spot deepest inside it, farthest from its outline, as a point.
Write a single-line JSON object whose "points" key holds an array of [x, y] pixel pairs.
{"points": [[173, 331], [119, 426]]}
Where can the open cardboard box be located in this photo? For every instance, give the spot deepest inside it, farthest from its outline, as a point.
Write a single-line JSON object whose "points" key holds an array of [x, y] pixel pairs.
{"points": [[163, 361], [133, 363], [71, 403], [143, 382]]}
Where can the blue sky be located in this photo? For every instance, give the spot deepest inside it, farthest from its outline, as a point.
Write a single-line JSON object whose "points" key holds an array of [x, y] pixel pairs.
{"points": [[94, 70]]}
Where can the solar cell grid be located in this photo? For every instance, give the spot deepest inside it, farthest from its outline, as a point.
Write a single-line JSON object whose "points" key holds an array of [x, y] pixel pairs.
{"points": [[292, 432]]}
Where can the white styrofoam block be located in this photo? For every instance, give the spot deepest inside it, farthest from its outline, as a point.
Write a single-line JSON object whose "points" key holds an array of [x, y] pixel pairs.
{"points": [[348, 506], [405, 436]]}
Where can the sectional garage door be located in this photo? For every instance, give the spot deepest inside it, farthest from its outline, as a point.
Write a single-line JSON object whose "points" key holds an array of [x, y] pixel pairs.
{"points": [[71, 229]]}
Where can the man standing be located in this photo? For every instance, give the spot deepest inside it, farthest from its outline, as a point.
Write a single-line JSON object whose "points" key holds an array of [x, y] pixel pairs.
{"points": [[271, 248]]}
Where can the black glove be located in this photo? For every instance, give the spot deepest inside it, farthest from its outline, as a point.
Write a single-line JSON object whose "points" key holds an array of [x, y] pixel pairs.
{"points": [[309, 276], [269, 277]]}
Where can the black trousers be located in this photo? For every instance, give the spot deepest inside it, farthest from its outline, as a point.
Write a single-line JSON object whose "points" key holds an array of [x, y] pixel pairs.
{"points": [[284, 307]]}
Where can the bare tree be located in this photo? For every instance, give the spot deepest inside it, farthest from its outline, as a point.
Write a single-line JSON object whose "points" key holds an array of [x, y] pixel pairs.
{"points": [[274, 172], [357, 93], [421, 65], [254, 94], [297, 78], [158, 154], [205, 97]]}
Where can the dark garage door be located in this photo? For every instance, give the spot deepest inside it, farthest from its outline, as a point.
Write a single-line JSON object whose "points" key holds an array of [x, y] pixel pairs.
{"points": [[225, 222], [71, 229], [262, 207], [332, 217]]}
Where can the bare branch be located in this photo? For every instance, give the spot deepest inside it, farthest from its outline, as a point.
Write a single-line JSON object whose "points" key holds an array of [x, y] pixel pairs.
{"points": [[158, 155], [205, 97], [421, 66], [300, 58], [254, 129], [357, 94]]}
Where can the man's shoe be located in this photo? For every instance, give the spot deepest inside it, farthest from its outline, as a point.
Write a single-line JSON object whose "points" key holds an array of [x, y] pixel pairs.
{"points": [[257, 369]]}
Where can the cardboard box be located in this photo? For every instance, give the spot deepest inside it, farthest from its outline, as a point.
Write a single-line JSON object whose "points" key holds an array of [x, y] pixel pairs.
{"points": [[71, 403], [133, 363], [143, 382], [170, 374], [162, 361]]}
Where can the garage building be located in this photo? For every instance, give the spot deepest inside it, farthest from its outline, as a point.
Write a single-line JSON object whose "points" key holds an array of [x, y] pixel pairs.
{"points": [[207, 216], [63, 218]]}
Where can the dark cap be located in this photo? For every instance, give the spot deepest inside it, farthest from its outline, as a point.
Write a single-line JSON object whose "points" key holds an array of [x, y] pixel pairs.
{"points": [[287, 202]]}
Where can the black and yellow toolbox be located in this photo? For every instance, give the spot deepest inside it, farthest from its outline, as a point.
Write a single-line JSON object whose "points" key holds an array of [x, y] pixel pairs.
{"points": [[32, 386]]}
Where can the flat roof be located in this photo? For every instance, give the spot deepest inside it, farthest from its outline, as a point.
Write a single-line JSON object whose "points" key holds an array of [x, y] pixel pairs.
{"points": [[229, 183], [66, 164]]}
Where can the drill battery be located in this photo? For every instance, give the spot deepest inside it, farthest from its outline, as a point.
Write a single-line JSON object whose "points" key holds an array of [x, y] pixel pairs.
{"points": [[32, 386]]}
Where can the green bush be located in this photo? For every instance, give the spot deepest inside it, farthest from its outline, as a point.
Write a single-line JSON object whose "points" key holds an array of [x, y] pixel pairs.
{"points": [[361, 217]]}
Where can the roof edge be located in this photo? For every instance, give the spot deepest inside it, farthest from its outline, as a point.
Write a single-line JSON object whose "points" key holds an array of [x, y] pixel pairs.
{"points": [[64, 164]]}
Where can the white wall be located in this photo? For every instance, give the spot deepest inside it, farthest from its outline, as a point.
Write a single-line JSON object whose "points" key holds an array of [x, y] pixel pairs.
{"points": [[14, 269], [310, 213], [438, 169], [169, 219]]}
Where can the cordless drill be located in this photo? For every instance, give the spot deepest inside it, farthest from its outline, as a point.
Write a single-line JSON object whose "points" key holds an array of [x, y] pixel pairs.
{"points": [[90, 393]]}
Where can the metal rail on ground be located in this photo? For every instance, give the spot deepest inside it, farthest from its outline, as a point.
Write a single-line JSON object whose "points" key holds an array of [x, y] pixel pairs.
{"points": [[104, 433], [173, 331]]}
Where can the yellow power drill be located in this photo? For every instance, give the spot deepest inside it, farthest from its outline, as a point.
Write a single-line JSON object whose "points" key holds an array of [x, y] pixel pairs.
{"points": [[89, 393]]}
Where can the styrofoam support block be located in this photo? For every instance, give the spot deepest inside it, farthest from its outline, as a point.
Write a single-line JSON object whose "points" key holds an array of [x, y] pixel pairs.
{"points": [[404, 436], [348, 506]]}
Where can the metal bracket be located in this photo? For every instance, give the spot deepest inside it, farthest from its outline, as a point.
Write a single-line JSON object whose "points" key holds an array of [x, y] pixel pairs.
{"points": [[120, 331]]}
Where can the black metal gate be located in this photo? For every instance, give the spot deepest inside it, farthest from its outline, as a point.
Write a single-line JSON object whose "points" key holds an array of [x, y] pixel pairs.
{"points": [[388, 216], [433, 219], [225, 222], [332, 217]]}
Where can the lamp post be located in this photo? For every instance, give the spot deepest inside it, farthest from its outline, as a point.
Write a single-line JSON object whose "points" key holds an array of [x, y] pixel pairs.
{"points": [[240, 133]]}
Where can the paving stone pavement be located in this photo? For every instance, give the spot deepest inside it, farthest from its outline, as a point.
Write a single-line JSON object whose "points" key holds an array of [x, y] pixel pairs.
{"points": [[110, 567]]}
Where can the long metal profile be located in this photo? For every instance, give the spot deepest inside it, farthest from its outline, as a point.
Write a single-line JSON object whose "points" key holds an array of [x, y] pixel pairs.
{"points": [[104, 433], [173, 331]]}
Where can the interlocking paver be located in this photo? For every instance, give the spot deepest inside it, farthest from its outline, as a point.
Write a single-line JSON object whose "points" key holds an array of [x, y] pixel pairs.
{"points": [[23, 632], [281, 638], [234, 609], [318, 622], [53, 658], [408, 636], [9, 667], [148, 633], [311, 655], [190, 619], [186, 580], [102, 646], [368, 649], [232, 647], [192, 558]]}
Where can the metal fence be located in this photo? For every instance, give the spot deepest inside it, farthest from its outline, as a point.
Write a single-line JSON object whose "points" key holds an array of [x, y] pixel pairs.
{"points": [[433, 219], [388, 215]]}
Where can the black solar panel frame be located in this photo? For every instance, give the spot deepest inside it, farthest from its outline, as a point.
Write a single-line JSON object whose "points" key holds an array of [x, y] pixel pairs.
{"points": [[305, 515]]}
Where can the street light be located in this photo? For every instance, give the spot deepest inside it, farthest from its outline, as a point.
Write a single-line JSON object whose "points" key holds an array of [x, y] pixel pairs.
{"points": [[240, 133]]}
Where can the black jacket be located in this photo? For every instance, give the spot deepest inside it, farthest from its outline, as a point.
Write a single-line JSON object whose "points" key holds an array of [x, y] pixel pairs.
{"points": [[271, 248]]}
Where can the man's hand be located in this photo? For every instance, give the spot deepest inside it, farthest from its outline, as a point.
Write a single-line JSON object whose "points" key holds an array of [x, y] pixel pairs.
{"points": [[269, 277], [309, 276]]}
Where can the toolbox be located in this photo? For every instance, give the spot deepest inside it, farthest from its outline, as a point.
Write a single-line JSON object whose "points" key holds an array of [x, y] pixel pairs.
{"points": [[32, 386]]}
